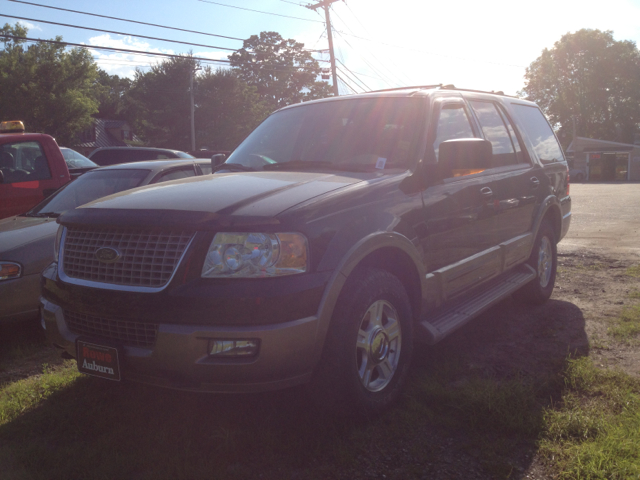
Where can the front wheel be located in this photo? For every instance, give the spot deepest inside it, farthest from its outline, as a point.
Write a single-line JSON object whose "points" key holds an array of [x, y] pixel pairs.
{"points": [[368, 347], [544, 260]]}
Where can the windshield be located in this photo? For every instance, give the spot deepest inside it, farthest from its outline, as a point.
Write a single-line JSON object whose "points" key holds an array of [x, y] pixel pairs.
{"points": [[358, 134], [183, 155], [90, 186], [75, 160]]}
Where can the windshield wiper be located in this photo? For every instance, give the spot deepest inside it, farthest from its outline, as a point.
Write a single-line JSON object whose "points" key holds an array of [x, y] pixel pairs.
{"points": [[319, 164], [234, 167], [42, 214], [299, 165]]}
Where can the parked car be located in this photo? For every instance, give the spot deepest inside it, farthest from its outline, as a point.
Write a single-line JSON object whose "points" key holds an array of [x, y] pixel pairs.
{"points": [[27, 240], [344, 230], [31, 168], [76, 162], [113, 155], [578, 174]]}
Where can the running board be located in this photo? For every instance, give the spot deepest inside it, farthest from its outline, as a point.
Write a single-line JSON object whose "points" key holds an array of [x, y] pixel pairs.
{"points": [[450, 317]]}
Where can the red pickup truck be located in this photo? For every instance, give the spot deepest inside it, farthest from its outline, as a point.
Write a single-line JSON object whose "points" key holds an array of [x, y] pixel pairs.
{"points": [[32, 167]]}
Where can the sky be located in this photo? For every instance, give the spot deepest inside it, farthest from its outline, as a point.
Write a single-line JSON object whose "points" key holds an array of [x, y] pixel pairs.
{"points": [[379, 44]]}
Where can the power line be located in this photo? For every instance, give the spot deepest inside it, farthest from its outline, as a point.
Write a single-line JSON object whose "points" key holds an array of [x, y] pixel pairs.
{"points": [[352, 80], [259, 11], [119, 33], [358, 80], [350, 87], [125, 50], [127, 20]]}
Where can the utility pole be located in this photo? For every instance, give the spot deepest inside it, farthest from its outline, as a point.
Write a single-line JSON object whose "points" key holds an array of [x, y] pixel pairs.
{"points": [[325, 4], [193, 120]]}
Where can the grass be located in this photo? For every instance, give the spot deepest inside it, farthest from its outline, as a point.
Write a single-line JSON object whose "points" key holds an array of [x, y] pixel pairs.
{"points": [[633, 271], [627, 326], [634, 295], [585, 423], [595, 431]]}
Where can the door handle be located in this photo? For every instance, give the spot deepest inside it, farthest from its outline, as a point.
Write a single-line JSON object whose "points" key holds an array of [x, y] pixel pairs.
{"points": [[486, 192], [535, 183]]}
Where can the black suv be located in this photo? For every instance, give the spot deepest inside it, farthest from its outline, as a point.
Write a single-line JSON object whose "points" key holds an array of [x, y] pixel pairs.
{"points": [[340, 232]]}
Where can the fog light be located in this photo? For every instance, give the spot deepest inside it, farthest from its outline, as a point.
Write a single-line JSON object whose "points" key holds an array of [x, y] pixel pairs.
{"points": [[233, 348]]}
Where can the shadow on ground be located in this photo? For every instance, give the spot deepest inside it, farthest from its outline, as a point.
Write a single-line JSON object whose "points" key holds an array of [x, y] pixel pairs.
{"points": [[473, 409]]}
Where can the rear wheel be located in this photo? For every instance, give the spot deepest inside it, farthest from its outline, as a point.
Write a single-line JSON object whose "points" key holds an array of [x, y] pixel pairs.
{"points": [[544, 260], [368, 347]]}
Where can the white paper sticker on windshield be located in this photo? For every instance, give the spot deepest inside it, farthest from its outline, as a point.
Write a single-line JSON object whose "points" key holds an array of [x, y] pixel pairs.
{"points": [[381, 162]]}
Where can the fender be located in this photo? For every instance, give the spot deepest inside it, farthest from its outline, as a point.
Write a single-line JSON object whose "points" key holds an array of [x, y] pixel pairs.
{"points": [[550, 205], [348, 264]]}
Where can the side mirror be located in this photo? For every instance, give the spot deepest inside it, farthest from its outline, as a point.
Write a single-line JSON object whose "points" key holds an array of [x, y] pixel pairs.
{"points": [[218, 159], [464, 156]]}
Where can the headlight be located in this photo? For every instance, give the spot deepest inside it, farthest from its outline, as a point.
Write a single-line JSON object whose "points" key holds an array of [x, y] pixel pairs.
{"points": [[56, 245], [255, 255], [9, 270]]}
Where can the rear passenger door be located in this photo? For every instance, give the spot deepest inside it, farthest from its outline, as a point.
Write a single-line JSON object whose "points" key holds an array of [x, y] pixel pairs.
{"points": [[512, 179]]}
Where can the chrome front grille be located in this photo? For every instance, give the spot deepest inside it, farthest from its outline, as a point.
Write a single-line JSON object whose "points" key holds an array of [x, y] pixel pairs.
{"points": [[133, 334], [147, 258]]}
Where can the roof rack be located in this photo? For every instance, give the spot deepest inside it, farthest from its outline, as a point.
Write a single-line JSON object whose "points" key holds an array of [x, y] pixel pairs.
{"points": [[417, 87], [439, 85]]}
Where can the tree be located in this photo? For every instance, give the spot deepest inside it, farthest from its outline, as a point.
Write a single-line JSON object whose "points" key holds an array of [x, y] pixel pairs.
{"points": [[281, 70], [227, 109], [593, 78], [47, 86], [159, 105], [111, 91]]}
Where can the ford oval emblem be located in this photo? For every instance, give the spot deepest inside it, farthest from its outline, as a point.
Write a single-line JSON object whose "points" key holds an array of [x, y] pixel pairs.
{"points": [[107, 255]]}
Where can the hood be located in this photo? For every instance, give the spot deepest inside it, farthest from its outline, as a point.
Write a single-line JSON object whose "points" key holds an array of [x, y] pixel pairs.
{"points": [[219, 197], [28, 241], [18, 231]]}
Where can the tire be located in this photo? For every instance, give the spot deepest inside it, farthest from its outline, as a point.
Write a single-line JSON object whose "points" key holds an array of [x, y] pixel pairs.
{"points": [[544, 260], [368, 348]]}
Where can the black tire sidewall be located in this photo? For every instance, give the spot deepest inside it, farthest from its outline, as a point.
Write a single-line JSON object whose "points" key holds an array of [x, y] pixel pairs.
{"points": [[533, 292], [363, 289]]}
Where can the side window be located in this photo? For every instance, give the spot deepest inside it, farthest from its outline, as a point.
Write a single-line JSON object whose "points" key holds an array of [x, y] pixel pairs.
{"points": [[23, 162], [495, 130], [176, 174], [539, 132], [206, 168], [453, 123]]}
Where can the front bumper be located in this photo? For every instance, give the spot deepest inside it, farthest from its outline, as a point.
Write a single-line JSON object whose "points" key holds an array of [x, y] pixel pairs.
{"points": [[285, 323], [179, 358]]}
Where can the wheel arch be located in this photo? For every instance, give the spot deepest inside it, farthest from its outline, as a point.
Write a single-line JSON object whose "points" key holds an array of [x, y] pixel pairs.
{"points": [[389, 251], [551, 211]]}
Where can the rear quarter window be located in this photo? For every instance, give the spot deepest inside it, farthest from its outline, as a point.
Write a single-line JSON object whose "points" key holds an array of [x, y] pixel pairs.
{"points": [[537, 128]]}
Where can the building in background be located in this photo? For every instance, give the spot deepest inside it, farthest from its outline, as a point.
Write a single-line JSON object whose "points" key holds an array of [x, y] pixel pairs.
{"points": [[603, 161], [106, 133]]}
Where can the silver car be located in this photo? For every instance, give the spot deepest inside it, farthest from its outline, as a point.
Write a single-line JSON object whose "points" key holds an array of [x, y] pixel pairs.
{"points": [[26, 240]]}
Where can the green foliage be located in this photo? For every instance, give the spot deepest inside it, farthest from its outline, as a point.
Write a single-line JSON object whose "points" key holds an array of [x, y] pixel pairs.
{"points": [[227, 109], [591, 76], [281, 70], [47, 86], [159, 103], [111, 93], [633, 271]]}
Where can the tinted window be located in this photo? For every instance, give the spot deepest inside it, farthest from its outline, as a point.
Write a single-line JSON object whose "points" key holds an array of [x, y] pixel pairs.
{"points": [[453, 123], [183, 172], [539, 131], [495, 130], [23, 162], [91, 186], [206, 168]]}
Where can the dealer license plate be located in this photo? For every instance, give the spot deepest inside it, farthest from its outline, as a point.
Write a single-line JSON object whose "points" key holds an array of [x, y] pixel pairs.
{"points": [[98, 360]]}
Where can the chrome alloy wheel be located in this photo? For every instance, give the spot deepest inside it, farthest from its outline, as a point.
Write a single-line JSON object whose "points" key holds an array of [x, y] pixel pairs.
{"points": [[378, 346], [545, 261]]}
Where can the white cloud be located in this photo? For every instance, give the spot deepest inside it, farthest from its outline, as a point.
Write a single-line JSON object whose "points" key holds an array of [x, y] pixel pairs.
{"points": [[124, 64], [29, 25]]}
